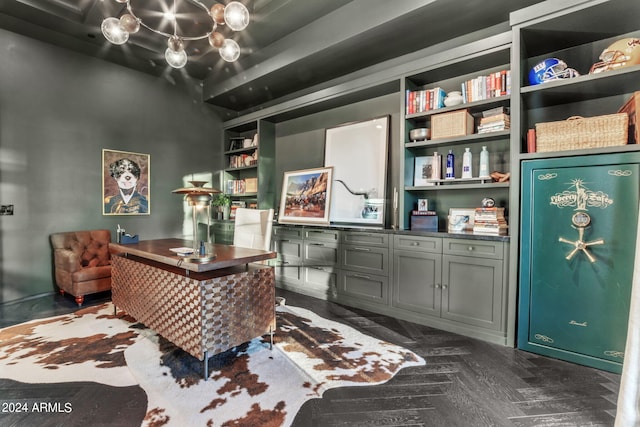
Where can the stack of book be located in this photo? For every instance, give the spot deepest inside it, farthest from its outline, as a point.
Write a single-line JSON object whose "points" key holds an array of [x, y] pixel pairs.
{"points": [[494, 120], [419, 101], [490, 221], [486, 87]]}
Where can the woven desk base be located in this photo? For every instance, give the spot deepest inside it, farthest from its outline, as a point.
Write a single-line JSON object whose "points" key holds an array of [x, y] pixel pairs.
{"points": [[200, 313]]}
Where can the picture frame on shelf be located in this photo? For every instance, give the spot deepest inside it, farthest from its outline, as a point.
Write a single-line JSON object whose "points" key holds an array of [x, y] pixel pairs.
{"points": [[460, 220], [125, 183], [423, 205], [236, 143], [305, 197], [423, 171]]}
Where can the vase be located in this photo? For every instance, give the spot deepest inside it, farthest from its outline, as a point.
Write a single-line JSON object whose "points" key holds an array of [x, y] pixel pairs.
{"points": [[453, 98]]}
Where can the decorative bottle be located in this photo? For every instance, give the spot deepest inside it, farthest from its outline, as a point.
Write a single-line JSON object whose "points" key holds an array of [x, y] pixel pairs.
{"points": [[450, 172], [437, 166], [466, 163], [484, 163]]}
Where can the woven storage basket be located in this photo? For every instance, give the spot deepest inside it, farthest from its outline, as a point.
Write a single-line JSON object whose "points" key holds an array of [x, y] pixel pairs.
{"points": [[577, 133]]}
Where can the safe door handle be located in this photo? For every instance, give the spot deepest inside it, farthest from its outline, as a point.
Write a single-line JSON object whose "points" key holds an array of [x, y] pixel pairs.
{"points": [[581, 245]]}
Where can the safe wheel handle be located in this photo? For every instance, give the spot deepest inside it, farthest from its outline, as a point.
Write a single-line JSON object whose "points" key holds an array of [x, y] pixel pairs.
{"points": [[581, 220]]}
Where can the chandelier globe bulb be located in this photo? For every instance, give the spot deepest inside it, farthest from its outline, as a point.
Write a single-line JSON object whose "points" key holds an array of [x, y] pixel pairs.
{"points": [[236, 16], [176, 59], [230, 50], [113, 32]]}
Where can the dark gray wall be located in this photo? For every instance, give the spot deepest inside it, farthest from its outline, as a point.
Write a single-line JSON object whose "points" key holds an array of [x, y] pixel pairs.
{"points": [[300, 142], [58, 110]]}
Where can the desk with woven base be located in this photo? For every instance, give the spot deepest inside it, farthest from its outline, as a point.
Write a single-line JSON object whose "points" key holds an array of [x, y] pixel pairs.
{"points": [[200, 308]]}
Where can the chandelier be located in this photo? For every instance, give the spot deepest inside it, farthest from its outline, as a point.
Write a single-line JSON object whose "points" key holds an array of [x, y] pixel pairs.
{"points": [[203, 23]]}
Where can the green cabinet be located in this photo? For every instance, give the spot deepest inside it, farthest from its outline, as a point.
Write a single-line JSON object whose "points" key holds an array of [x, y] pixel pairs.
{"points": [[578, 244]]}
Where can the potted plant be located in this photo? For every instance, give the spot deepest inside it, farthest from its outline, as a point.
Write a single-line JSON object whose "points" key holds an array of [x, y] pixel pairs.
{"points": [[223, 203]]}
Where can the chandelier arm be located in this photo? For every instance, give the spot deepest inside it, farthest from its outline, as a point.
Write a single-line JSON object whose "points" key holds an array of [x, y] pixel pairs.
{"points": [[162, 33]]}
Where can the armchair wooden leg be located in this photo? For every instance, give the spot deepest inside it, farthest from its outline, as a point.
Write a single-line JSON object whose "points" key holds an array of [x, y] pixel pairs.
{"points": [[80, 300]]}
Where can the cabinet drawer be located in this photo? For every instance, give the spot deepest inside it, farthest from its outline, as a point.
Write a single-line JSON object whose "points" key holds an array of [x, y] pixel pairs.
{"points": [[365, 259], [474, 248], [417, 243], [322, 235], [367, 287], [287, 233], [323, 279], [289, 250], [288, 273], [363, 238], [320, 254]]}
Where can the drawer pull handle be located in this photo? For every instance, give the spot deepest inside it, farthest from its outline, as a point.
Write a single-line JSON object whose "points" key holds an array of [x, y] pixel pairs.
{"points": [[437, 286], [316, 244], [444, 286], [414, 244], [471, 248], [362, 276], [362, 249]]}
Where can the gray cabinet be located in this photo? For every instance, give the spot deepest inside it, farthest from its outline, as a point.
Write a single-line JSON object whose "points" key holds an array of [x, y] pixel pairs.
{"points": [[320, 262], [307, 260], [458, 282], [364, 267], [288, 243], [440, 280]]}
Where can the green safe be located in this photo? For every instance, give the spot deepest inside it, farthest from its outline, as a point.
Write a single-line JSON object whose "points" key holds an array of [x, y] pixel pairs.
{"points": [[578, 240]]}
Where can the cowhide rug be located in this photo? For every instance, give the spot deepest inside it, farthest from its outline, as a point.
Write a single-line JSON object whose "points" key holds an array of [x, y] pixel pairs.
{"points": [[249, 385]]}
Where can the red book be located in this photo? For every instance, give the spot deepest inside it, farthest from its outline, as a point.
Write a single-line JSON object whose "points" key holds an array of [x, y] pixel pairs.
{"points": [[531, 141]]}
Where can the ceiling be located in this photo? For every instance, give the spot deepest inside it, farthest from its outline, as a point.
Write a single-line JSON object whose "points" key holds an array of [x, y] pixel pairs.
{"points": [[289, 44]]}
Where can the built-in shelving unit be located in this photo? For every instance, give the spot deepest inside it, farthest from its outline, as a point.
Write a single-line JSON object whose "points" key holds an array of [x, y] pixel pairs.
{"points": [[450, 75], [249, 157]]}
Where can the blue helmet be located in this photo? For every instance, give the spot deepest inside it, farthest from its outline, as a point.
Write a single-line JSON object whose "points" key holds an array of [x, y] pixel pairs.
{"points": [[550, 69]]}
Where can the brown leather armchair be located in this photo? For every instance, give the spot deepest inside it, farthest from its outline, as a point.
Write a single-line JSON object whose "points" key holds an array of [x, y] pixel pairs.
{"points": [[82, 262]]}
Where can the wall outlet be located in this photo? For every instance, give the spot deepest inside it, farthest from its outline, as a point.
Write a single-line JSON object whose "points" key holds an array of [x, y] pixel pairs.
{"points": [[6, 209]]}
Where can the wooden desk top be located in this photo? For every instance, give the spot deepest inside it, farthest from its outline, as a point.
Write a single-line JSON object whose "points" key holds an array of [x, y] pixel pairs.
{"points": [[158, 250]]}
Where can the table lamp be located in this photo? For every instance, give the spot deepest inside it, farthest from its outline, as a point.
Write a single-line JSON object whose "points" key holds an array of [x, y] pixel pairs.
{"points": [[199, 197]]}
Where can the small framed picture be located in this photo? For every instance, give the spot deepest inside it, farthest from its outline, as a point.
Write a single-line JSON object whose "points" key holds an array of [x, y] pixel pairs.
{"points": [[460, 220], [423, 205], [423, 171]]}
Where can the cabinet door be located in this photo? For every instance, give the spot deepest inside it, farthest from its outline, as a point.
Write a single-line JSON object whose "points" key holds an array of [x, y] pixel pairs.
{"points": [[472, 290], [417, 281], [578, 244]]}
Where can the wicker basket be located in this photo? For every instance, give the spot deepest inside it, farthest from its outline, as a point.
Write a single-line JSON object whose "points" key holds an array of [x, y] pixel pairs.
{"points": [[577, 133]]}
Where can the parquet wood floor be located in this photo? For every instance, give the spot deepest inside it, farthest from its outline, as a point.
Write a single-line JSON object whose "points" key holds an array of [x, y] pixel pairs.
{"points": [[466, 382]]}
